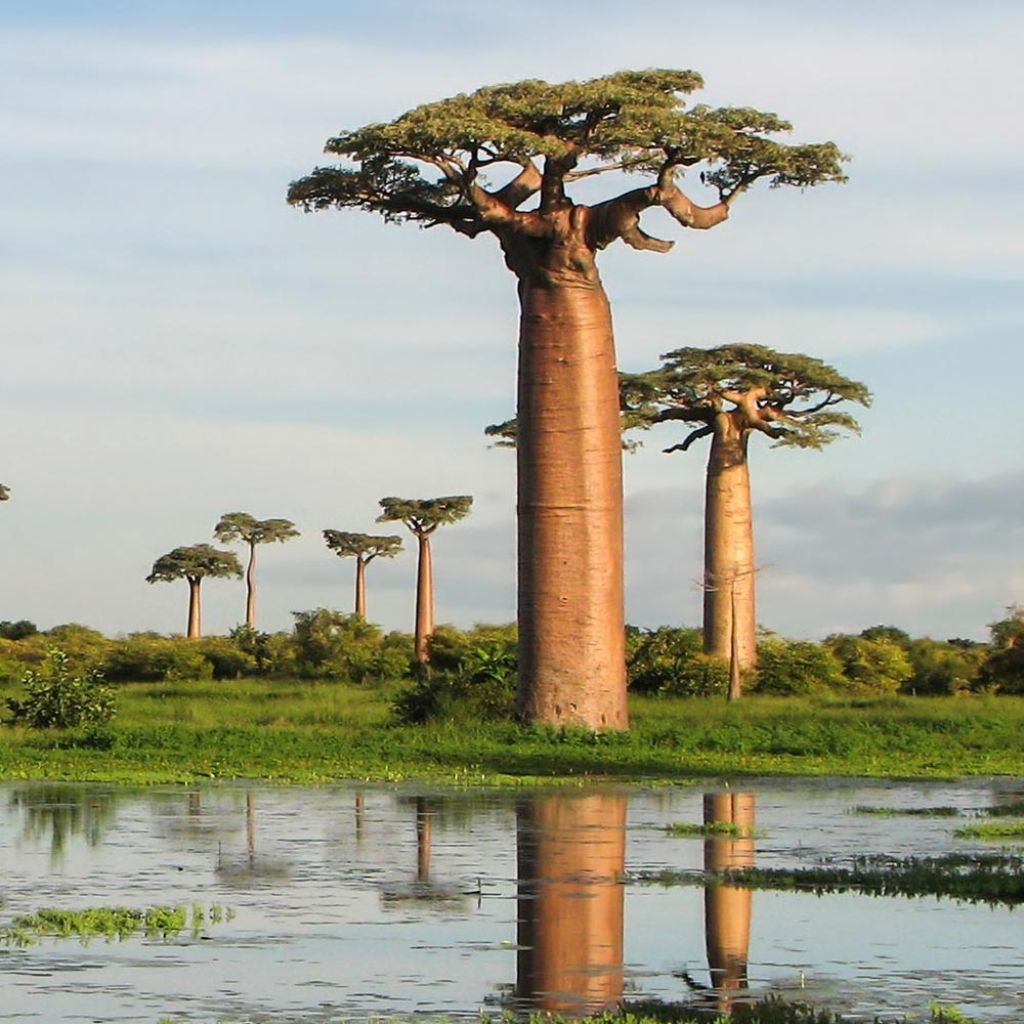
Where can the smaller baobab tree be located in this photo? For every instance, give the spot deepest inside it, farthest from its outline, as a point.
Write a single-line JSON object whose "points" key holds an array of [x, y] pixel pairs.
{"points": [[423, 516], [364, 548], [727, 393], [5, 492], [194, 564], [240, 526]]}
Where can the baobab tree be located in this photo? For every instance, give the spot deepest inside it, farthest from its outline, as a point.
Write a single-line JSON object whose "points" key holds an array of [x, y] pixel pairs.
{"points": [[471, 162], [194, 564], [727, 393], [422, 516], [5, 492], [364, 548], [242, 526]]}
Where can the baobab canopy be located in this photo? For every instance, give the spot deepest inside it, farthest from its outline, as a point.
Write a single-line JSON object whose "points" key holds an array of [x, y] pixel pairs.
{"points": [[441, 163]]}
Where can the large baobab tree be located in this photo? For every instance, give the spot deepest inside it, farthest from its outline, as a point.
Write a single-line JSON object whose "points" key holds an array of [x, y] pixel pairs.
{"points": [[364, 548], [423, 516], [243, 527], [728, 393], [194, 564], [499, 161]]}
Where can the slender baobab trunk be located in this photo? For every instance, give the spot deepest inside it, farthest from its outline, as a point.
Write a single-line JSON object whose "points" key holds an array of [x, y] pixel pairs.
{"points": [[424, 599], [194, 610], [727, 910], [571, 856], [250, 589], [729, 549], [569, 451], [360, 587], [424, 818]]}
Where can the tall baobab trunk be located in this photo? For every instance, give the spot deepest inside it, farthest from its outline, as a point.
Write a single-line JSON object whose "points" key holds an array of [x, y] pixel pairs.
{"points": [[424, 599], [727, 908], [360, 587], [729, 548], [571, 855], [250, 588], [569, 453], [194, 610], [424, 819]]}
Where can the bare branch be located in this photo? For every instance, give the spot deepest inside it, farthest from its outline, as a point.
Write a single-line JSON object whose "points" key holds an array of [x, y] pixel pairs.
{"points": [[695, 436]]}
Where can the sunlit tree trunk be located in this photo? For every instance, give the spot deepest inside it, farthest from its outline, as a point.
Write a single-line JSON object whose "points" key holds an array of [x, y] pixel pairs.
{"points": [[727, 909], [571, 855], [360, 587], [424, 599], [250, 589], [194, 611], [571, 617], [729, 549]]}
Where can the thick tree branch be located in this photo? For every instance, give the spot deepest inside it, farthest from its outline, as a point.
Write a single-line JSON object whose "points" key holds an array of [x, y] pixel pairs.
{"points": [[695, 436], [525, 184], [686, 415]]}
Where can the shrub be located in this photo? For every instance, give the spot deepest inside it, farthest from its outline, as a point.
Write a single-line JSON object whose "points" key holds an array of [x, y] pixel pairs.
{"points": [[17, 630], [943, 668], [149, 657], [671, 661], [796, 667], [873, 666], [56, 698], [335, 645], [472, 676]]}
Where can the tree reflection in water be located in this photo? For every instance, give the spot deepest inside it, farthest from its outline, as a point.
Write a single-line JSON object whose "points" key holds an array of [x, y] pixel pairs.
{"points": [[727, 909], [57, 813], [571, 853]]}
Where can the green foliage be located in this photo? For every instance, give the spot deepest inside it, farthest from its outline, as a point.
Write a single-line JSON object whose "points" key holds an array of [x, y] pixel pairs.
{"points": [[871, 666], [472, 677], [194, 563], [5, 492], [17, 630], [54, 698], [709, 830], [149, 657], [363, 546], [425, 515], [243, 527], [991, 830], [671, 661], [789, 396], [941, 667], [426, 165], [796, 668], [335, 645], [1003, 670]]}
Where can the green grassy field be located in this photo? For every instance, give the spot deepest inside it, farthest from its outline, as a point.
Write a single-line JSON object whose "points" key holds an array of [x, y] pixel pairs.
{"points": [[317, 731]]}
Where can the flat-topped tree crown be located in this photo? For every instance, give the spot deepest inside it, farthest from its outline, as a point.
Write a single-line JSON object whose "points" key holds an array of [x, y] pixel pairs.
{"points": [[425, 515], [362, 545], [789, 396]]}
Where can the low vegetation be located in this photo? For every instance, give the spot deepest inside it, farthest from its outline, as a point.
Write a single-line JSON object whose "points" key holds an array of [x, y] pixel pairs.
{"points": [[992, 830], [994, 879], [709, 830], [894, 812]]}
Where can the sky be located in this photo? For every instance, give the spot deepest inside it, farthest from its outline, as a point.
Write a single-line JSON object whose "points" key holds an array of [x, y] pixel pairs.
{"points": [[179, 343]]}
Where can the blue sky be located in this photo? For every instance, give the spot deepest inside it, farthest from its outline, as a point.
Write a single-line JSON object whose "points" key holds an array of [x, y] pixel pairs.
{"points": [[179, 343]]}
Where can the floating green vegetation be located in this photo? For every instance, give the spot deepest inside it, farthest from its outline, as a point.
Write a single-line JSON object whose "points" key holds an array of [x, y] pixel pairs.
{"points": [[111, 923], [1010, 810], [711, 830], [896, 812], [994, 879], [991, 830]]}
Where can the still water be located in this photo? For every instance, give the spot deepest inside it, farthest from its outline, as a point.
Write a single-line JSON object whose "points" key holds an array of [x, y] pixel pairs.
{"points": [[359, 902]]}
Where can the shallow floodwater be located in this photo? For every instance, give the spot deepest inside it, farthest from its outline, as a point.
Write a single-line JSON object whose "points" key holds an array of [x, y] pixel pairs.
{"points": [[358, 902]]}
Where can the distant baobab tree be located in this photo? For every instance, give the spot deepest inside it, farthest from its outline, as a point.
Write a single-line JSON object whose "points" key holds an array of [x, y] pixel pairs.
{"points": [[194, 564], [5, 492], [364, 548], [471, 162], [242, 526], [727, 393], [423, 516]]}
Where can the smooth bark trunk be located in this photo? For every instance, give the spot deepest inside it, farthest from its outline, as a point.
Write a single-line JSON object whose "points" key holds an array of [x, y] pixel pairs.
{"points": [[194, 611], [250, 589], [727, 910], [729, 550], [569, 452], [424, 600], [360, 587], [571, 856]]}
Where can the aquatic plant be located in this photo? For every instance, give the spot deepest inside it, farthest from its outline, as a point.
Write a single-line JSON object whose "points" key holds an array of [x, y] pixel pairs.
{"points": [[991, 830], [710, 829], [110, 922], [892, 812], [980, 878]]}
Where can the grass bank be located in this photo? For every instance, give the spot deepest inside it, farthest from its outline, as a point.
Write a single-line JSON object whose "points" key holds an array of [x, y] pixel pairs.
{"points": [[314, 731]]}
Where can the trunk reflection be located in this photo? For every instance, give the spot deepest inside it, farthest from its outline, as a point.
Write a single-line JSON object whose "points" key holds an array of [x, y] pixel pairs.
{"points": [[571, 853]]}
